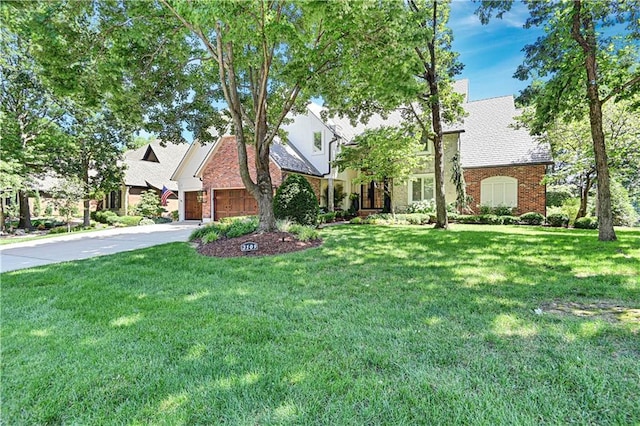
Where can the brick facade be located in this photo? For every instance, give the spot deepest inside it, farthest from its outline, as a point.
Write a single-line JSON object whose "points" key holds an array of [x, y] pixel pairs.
{"points": [[532, 195], [222, 171]]}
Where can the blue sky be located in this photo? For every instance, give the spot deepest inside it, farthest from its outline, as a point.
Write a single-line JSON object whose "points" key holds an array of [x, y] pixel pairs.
{"points": [[491, 53]]}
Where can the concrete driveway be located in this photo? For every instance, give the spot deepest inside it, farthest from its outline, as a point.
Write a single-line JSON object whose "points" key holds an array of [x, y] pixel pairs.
{"points": [[82, 246]]}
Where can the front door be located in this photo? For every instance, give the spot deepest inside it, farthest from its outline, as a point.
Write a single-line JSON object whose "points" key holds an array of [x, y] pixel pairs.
{"points": [[192, 207]]}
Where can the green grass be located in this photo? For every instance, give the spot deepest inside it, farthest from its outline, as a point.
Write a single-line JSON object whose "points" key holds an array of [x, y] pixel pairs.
{"points": [[380, 325]]}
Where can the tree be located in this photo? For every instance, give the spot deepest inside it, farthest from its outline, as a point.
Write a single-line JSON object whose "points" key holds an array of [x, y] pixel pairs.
{"points": [[66, 198], [29, 113], [149, 205], [573, 151], [438, 64], [417, 78], [243, 65], [385, 154], [584, 68]]}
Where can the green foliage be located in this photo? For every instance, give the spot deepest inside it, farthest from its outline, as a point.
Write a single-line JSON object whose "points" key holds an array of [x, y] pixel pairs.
{"points": [[104, 216], [305, 233], [588, 222], [424, 206], [146, 221], [175, 215], [356, 221], [326, 217], [227, 228], [510, 220], [532, 218], [210, 237], [149, 204], [558, 194], [126, 220], [338, 195], [621, 208], [296, 201], [558, 220]]}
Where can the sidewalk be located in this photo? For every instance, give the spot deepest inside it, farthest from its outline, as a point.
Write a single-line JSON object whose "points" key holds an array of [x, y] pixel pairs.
{"points": [[69, 247]]}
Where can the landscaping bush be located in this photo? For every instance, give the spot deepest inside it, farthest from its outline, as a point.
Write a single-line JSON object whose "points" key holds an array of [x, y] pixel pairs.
{"points": [[305, 233], [242, 227], [161, 219], [532, 218], [126, 220], [356, 221], [175, 215], [295, 200], [489, 219], [558, 220], [326, 217], [588, 222], [59, 230], [104, 216], [502, 211], [229, 228], [149, 205], [558, 194], [424, 206], [210, 237], [468, 218], [146, 221], [284, 225], [510, 220]]}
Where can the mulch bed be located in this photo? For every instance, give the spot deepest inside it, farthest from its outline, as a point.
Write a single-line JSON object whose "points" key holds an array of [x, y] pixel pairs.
{"points": [[269, 243]]}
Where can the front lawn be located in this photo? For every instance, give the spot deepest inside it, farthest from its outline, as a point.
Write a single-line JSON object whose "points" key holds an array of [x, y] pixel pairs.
{"points": [[380, 325]]}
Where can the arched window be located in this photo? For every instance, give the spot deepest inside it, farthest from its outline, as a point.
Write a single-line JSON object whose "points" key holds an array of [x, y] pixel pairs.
{"points": [[499, 191]]}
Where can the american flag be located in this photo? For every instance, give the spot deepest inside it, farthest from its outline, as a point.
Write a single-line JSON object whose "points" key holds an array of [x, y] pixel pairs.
{"points": [[166, 193]]}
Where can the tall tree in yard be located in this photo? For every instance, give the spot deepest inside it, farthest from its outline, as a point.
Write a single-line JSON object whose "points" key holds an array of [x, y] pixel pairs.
{"points": [[30, 115], [589, 56], [240, 66]]}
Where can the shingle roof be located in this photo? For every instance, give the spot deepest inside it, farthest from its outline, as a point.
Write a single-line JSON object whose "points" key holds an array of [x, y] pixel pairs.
{"points": [[149, 173], [491, 138], [287, 158]]}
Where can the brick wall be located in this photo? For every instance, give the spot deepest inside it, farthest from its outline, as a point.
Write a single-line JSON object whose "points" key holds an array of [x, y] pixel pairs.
{"points": [[531, 194]]}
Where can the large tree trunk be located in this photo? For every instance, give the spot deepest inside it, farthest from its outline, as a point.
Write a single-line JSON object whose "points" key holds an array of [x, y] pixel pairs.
{"points": [[589, 45], [438, 148], [25, 214], [584, 196], [86, 219]]}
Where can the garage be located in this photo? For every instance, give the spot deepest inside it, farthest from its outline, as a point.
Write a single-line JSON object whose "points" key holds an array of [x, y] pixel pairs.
{"points": [[192, 206], [233, 202]]}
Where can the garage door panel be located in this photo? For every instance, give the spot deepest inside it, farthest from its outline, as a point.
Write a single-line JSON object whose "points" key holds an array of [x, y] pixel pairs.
{"points": [[234, 202]]}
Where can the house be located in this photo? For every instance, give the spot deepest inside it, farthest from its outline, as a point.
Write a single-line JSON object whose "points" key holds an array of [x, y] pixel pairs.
{"points": [[209, 182], [502, 164], [147, 168]]}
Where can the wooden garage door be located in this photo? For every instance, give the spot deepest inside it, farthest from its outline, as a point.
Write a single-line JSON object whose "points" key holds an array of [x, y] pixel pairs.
{"points": [[234, 202], [192, 207]]}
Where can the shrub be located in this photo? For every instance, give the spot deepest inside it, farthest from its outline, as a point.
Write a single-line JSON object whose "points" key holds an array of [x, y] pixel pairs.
{"points": [[588, 222], [558, 194], [161, 219], [59, 230], [146, 221], [510, 220], [295, 200], [467, 218], [558, 220], [424, 206], [127, 220], [284, 225], [210, 237], [199, 233], [532, 218], [149, 205], [326, 217], [242, 227], [489, 219], [175, 215], [305, 233], [621, 208], [356, 221], [486, 210], [502, 211], [104, 216]]}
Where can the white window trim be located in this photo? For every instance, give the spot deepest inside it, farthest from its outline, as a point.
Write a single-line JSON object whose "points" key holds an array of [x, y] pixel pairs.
{"points": [[313, 146], [494, 180], [410, 185]]}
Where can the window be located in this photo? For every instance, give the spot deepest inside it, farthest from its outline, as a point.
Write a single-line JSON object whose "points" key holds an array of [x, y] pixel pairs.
{"points": [[499, 191], [317, 141], [421, 187]]}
